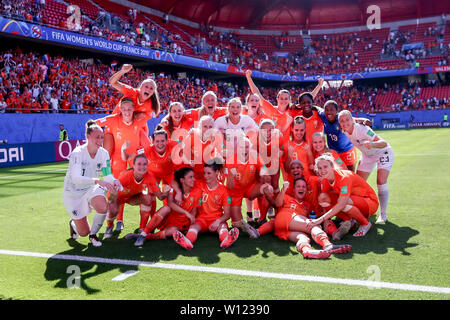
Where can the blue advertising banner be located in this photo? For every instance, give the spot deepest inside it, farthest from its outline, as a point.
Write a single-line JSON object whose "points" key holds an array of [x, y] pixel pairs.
{"points": [[30, 30], [26, 153]]}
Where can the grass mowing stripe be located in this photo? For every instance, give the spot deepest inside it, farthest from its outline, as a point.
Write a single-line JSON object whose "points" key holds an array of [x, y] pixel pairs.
{"points": [[351, 282], [31, 173]]}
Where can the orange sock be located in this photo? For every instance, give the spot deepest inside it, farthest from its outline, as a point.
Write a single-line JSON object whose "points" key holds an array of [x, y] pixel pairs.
{"points": [[321, 239], [110, 223], [160, 235], [356, 214], [192, 236], [154, 222], [144, 218], [263, 205], [120, 214], [267, 227]]}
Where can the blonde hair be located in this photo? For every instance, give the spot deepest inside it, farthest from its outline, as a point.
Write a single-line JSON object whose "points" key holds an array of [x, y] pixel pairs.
{"points": [[345, 113], [326, 156], [237, 99], [154, 98]]}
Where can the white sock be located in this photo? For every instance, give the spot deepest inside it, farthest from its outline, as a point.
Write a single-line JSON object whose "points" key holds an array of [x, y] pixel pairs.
{"points": [[74, 227], [97, 223], [383, 196]]}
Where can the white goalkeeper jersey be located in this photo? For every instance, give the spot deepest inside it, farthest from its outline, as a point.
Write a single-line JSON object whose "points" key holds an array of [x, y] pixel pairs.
{"points": [[83, 170], [362, 133]]}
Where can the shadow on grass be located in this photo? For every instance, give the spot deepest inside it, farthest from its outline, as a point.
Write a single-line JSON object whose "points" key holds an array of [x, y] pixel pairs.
{"points": [[381, 238], [206, 249]]}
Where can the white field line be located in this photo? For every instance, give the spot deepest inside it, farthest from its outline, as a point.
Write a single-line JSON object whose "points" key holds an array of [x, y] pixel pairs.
{"points": [[246, 273], [125, 275], [32, 173]]}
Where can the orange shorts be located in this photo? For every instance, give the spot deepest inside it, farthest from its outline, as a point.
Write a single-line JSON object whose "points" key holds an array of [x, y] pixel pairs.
{"points": [[238, 194], [204, 221], [366, 205], [282, 221], [349, 157], [176, 219]]}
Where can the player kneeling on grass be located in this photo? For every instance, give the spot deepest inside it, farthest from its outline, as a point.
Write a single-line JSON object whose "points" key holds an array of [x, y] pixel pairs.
{"points": [[214, 212], [292, 223], [83, 190], [140, 188], [352, 196], [173, 217]]}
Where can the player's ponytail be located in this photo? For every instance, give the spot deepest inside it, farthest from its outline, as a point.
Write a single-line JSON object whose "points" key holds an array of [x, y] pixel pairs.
{"points": [[91, 125]]}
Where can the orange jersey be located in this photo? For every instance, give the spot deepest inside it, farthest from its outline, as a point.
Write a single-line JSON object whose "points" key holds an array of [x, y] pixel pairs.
{"points": [[347, 183], [293, 207], [312, 192], [179, 132], [213, 201], [133, 93], [257, 119], [197, 152], [247, 173], [313, 124], [160, 165], [123, 132], [131, 187], [189, 202], [271, 112], [299, 152], [336, 156], [194, 114]]}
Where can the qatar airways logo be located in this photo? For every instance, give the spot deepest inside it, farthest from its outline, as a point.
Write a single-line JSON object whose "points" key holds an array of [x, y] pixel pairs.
{"points": [[198, 147]]}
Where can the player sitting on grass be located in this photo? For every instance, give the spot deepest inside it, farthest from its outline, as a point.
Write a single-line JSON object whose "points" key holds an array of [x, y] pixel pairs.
{"points": [[292, 224]]}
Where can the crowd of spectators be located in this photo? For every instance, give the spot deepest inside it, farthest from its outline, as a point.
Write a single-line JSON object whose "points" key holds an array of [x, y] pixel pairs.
{"points": [[327, 53], [31, 82]]}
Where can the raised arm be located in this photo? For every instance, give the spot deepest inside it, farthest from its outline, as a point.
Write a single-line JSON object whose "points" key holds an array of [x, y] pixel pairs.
{"points": [[114, 80], [317, 89], [253, 87]]}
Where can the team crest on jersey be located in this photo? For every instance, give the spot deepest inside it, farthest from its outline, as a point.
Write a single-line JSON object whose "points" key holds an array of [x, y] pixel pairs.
{"points": [[75, 212]]}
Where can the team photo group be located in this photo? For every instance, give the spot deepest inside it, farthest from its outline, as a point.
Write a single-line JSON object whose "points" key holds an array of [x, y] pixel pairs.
{"points": [[248, 169]]}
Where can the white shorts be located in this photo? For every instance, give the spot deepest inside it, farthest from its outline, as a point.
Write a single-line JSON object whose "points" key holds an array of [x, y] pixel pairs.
{"points": [[384, 161], [79, 207]]}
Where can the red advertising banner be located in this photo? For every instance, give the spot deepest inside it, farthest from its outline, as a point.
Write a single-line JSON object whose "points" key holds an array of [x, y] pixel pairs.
{"points": [[441, 69], [63, 149]]}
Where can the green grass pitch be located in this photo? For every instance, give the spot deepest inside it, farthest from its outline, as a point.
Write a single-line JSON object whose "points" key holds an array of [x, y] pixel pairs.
{"points": [[412, 248]]}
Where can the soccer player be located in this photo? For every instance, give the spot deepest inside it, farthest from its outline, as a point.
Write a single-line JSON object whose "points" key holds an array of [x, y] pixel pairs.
{"points": [[83, 189], [136, 181], [312, 118], [127, 137], [201, 145], [277, 113], [336, 139], [355, 197], [177, 125], [375, 153], [214, 212], [172, 218], [298, 148], [292, 224], [252, 108], [234, 125], [242, 171], [319, 147], [145, 97]]}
